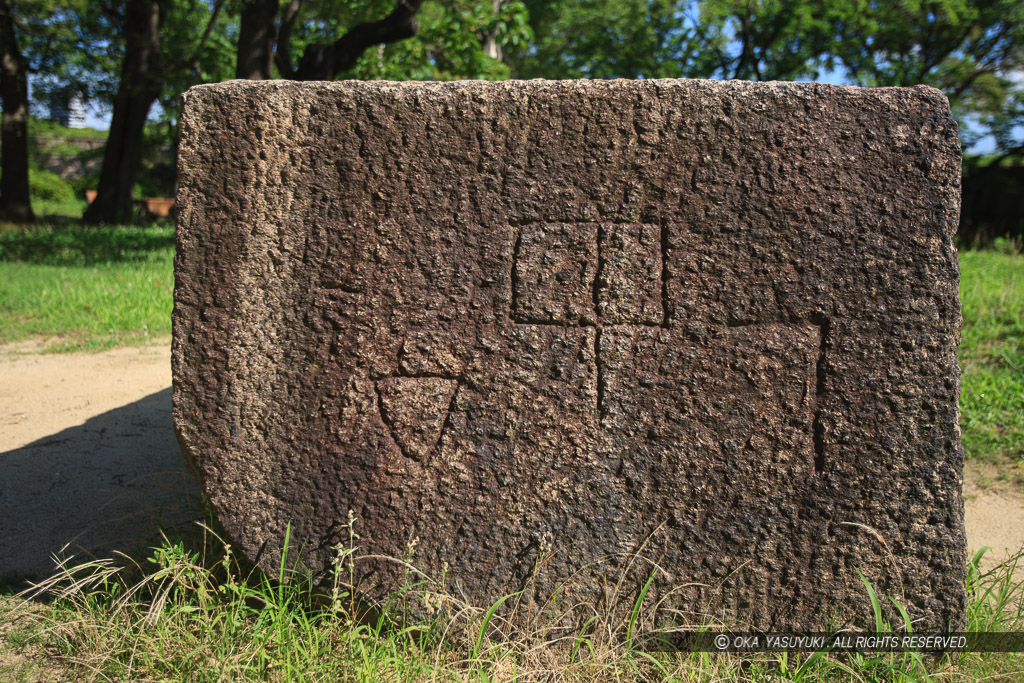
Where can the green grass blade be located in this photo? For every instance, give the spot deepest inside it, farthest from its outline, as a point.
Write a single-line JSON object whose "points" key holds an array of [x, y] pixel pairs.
{"points": [[635, 614], [907, 626], [487, 622], [876, 606]]}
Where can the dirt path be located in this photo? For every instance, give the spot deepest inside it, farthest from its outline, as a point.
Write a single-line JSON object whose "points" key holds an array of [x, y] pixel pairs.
{"points": [[87, 454], [88, 457]]}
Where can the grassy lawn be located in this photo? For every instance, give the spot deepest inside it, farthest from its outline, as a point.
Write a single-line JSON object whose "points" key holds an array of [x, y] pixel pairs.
{"points": [[992, 355], [193, 611], [91, 288]]}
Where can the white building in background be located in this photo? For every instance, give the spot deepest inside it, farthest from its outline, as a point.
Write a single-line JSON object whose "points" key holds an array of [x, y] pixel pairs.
{"points": [[70, 113], [76, 113]]}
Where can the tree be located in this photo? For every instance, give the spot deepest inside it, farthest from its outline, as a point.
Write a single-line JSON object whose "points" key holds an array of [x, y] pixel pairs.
{"points": [[607, 39], [139, 87], [762, 40], [148, 64], [748, 39], [325, 39], [299, 41], [258, 34], [15, 202], [972, 50], [50, 41], [256, 38]]}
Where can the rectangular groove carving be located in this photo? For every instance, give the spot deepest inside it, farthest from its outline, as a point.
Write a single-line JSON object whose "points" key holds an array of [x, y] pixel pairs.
{"points": [[819, 393]]}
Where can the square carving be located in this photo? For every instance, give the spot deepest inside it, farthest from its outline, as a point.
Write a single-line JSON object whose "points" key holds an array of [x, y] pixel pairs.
{"points": [[553, 275], [629, 277]]}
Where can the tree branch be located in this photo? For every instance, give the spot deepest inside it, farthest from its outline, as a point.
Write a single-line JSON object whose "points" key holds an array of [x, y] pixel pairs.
{"points": [[937, 58], [968, 82], [325, 62], [194, 57], [217, 6]]}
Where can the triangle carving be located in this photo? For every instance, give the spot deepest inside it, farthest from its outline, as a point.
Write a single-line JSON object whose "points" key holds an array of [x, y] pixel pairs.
{"points": [[415, 410]]}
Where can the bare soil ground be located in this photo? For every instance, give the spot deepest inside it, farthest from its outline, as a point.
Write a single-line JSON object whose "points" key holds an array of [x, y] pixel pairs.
{"points": [[89, 459], [87, 454]]}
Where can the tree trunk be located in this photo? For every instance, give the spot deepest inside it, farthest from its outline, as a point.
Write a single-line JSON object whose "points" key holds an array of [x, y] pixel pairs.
{"points": [[139, 87], [256, 32], [491, 47], [15, 203]]}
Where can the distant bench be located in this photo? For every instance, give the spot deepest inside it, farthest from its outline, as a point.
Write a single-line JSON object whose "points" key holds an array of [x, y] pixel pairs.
{"points": [[154, 206]]}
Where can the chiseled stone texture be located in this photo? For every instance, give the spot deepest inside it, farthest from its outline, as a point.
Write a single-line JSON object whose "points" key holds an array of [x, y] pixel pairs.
{"points": [[713, 322]]}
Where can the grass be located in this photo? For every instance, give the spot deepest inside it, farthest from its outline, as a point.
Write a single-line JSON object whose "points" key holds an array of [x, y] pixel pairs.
{"points": [[50, 129], [992, 354], [91, 288], [193, 611]]}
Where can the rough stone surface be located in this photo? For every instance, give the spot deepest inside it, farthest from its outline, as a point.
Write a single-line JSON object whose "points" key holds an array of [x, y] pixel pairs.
{"points": [[713, 323]]}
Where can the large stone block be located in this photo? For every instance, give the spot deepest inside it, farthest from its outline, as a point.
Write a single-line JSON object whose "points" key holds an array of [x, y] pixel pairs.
{"points": [[713, 321]]}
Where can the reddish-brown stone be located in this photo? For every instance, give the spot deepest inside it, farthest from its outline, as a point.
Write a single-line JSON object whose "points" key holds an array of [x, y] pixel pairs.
{"points": [[715, 321]]}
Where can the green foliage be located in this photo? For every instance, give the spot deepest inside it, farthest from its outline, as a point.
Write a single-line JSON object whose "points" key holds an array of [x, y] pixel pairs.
{"points": [[72, 47], [972, 50], [49, 187], [608, 39], [188, 61], [766, 40], [449, 44], [762, 40], [87, 181], [51, 195]]}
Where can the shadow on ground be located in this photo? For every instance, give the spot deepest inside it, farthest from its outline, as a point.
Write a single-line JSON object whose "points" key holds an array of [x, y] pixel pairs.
{"points": [[110, 484]]}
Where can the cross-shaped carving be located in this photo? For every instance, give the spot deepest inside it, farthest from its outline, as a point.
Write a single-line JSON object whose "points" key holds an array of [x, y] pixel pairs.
{"points": [[599, 275], [611, 277]]}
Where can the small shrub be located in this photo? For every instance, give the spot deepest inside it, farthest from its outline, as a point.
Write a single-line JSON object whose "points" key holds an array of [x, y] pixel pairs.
{"points": [[45, 186]]}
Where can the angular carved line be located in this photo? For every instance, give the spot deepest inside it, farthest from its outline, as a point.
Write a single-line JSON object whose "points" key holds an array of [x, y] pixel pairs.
{"points": [[582, 324], [664, 275], [514, 277], [599, 234], [416, 411], [447, 424], [599, 377], [817, 427]]}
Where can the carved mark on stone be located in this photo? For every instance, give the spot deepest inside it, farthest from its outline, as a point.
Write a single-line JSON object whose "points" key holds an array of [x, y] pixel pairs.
{"points": [[600, 277], [630, 288], [618, 269], [589, 274], [553, 274], [664, 276], [818, 428], [817, 387], [599, 371], [415, 410], [603, 275]]}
